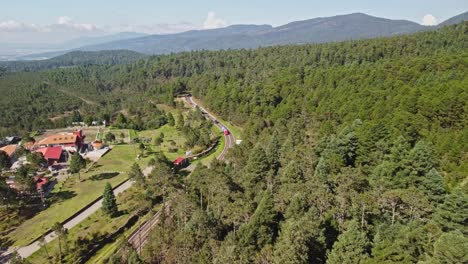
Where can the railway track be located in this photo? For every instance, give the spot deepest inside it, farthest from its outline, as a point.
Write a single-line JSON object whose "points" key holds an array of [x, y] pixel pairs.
{"points": [[140, 236]]}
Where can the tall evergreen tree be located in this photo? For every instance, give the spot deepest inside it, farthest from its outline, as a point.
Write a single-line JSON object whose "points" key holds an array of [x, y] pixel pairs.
{"points": [[451, 247], [273, 154], [351, 247], [262, 227], [433, 186], [77, 163], [301, 241], [109, 202], [170, 119], [256, 171], [453, 213], [136, 174]]}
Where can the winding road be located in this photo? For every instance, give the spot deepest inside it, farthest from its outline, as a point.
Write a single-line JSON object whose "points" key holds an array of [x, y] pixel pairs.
{"points": [[28, 250], [230, 139], [139, 237]]}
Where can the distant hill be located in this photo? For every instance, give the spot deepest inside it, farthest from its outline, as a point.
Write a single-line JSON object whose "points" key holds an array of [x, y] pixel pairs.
{"points": [[44, 51], [318, 30], [75, 58], [455, 20]]}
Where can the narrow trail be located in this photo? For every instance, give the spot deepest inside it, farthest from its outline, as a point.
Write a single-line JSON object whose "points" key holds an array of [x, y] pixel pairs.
{"points": [[74, 95]]}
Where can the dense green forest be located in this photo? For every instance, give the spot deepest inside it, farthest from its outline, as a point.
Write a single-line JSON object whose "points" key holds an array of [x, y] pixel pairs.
{"points": [[74, 58], [353, 152]]}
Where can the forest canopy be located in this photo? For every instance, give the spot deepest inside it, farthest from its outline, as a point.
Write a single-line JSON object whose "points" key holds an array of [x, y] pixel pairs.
{"points": [[353, 152]]}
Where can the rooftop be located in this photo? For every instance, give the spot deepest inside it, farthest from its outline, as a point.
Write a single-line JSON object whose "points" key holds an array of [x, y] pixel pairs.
{"points": [[10, 149], [58, 139], [53, 153]]}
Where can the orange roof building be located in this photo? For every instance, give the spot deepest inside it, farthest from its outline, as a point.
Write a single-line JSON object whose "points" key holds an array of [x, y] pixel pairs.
{"points": [[97, 144], [9, 149], [66, 140], [59, 139]]}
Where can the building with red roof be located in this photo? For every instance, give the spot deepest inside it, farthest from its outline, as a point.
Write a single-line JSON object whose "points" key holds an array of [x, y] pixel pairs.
{"points": [[180, 163], [51, 154], [41, 183]]}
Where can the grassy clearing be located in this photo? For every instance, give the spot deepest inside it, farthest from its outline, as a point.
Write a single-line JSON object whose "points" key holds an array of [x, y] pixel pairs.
{"points": [[172, 139], [118, 134], [96, 223], [70, 196], [133, 134]]}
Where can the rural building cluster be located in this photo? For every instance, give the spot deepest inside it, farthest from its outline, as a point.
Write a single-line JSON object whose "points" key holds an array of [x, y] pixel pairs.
{"points": [[51, 152]]}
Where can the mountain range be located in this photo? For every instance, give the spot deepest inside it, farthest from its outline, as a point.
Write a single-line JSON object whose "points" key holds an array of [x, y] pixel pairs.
{"points": [[317, 30]]}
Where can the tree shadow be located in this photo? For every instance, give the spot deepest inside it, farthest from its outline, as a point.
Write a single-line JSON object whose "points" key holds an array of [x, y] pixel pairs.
{"points": [[103, 176], [5, 243], [183, 173], [62, 196]]}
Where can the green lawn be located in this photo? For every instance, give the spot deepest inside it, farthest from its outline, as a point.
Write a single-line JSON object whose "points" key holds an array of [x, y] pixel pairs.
{"points": [[171, 134], [96, 223], [71, 195], [107, 251]]}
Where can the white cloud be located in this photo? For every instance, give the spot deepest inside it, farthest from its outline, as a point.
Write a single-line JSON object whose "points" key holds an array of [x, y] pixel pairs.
{"points": [[429, 20], [63, 23], [162, 28], [214, 22], [15, 26], [64, 20]]}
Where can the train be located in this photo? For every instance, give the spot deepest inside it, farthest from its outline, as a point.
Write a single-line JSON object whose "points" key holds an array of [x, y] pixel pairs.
{"points": [[225, 131]]}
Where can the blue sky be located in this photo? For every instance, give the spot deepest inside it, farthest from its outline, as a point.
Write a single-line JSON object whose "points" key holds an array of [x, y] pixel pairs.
{"points": [[62, 19]]}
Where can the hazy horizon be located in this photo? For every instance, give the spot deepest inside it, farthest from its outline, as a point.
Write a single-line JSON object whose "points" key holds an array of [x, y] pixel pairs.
{"points": [[25, 22]]}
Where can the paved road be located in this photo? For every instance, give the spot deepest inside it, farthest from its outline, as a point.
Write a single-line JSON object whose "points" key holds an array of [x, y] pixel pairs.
{"points": [[27, 251], [230, 139], [139, 237]]}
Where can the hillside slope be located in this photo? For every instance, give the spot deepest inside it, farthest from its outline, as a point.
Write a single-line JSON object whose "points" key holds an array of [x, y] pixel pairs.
{"points": [[74, 58]]}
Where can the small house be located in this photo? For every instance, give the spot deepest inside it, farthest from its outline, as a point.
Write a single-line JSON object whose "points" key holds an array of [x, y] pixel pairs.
{"points": [[10, 150], [180, 163], [51, 154]]}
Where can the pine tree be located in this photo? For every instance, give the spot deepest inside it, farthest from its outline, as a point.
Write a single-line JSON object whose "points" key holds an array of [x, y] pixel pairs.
{"points": [[77, 163], [451, 248], [170, 119], [351, 246], [433, 186], [422, 158], [136, 174], [273, 154], [453, 213], [322, 170], [261, 228], [109, 203], [61, 233], [133, 257], [180, 121], [301, 241], [256, 171]]}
